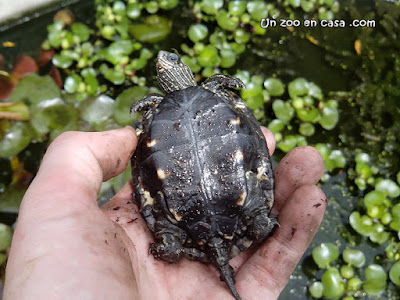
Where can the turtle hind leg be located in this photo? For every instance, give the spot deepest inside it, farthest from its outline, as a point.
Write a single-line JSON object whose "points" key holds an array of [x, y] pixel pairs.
{"points": [[146, 103], [170, 244], [170, 239], [220, 81]]}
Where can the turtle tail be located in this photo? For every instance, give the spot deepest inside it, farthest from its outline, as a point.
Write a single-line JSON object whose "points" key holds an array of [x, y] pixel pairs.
{"points": [[227, 276], [221, 259]]}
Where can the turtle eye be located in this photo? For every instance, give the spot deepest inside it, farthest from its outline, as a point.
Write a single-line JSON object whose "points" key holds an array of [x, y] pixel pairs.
{"points": [[173, 57]]}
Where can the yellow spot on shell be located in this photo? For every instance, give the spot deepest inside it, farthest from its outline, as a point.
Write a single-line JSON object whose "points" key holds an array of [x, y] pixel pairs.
{"points": [[238, 156], [235, 121], [241, 199], [151, 143], [240, 105], [139, 132], [148, 199], [261, 171], [177, 215], [161, 174]]}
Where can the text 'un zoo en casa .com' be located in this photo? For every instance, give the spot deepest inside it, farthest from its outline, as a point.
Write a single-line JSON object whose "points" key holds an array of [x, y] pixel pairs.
{"points": [[267, 23]]}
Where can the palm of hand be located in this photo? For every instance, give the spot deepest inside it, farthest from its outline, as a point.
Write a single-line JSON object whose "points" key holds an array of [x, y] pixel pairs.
{"points": [[63, 237]]}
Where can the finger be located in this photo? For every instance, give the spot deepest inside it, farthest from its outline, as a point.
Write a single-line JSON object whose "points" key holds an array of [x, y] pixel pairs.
{"points": [[270, 138], [301, 166], [74, 167], [269, 269]]}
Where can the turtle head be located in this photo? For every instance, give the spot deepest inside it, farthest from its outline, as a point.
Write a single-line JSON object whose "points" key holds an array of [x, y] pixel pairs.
{"points": [[172, 73]]}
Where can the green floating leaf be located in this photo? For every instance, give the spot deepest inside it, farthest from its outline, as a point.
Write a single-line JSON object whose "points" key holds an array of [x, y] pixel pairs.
{"points": [[298, 87], [98, 111], [288, 143], [354, 257], [27, 90], [375, 280], [197, 32], [363, 169], [237, 8], [354, 284], [168, 4], [72, 83], [316, 289], [10, 199], [295, 3], [276, 126], [336, 160], [379, 235], [241, 37], [91, 84], [324, 150], [389, 187], [62, 61], [119, 7], [226, 21], [211, 7], [308, 114], [53, 116], [373, 199], [124, 102], [133, 10], [209, 57], [283, 110], [274, 86], [117, 52], [81, 30], [115, 76], [395, 223], [5, 237], [153, 30], [15, 139], [151, 7], [228, 58], [346, 272], [363, 158], [307, 129], [324, 254], [314, 90], [253, 96], [394, 273], [329, 118], [192, 63], [362, 224], [334, 286], [257, 10]]}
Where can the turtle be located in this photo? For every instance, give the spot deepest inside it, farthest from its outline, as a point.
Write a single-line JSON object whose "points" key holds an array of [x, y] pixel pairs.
{"points": [[202, 173]]}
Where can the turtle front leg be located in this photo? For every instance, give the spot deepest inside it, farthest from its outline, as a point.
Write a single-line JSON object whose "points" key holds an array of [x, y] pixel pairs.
{"points": [[146, 103], [220, 81]]}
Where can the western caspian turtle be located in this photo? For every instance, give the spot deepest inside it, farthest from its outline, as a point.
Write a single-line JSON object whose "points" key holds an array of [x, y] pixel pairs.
{"points": [[201, 172]]}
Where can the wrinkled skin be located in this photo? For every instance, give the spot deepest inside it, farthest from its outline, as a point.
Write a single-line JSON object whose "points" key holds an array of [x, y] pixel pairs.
{"points": [[65, 247]]}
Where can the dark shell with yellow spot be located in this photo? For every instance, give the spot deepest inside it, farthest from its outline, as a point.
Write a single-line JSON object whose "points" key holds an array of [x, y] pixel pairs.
{"points": [[202, 173]]}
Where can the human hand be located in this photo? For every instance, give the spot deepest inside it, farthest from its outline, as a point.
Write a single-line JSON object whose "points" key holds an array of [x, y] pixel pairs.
{"points": [[64, 246]]}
